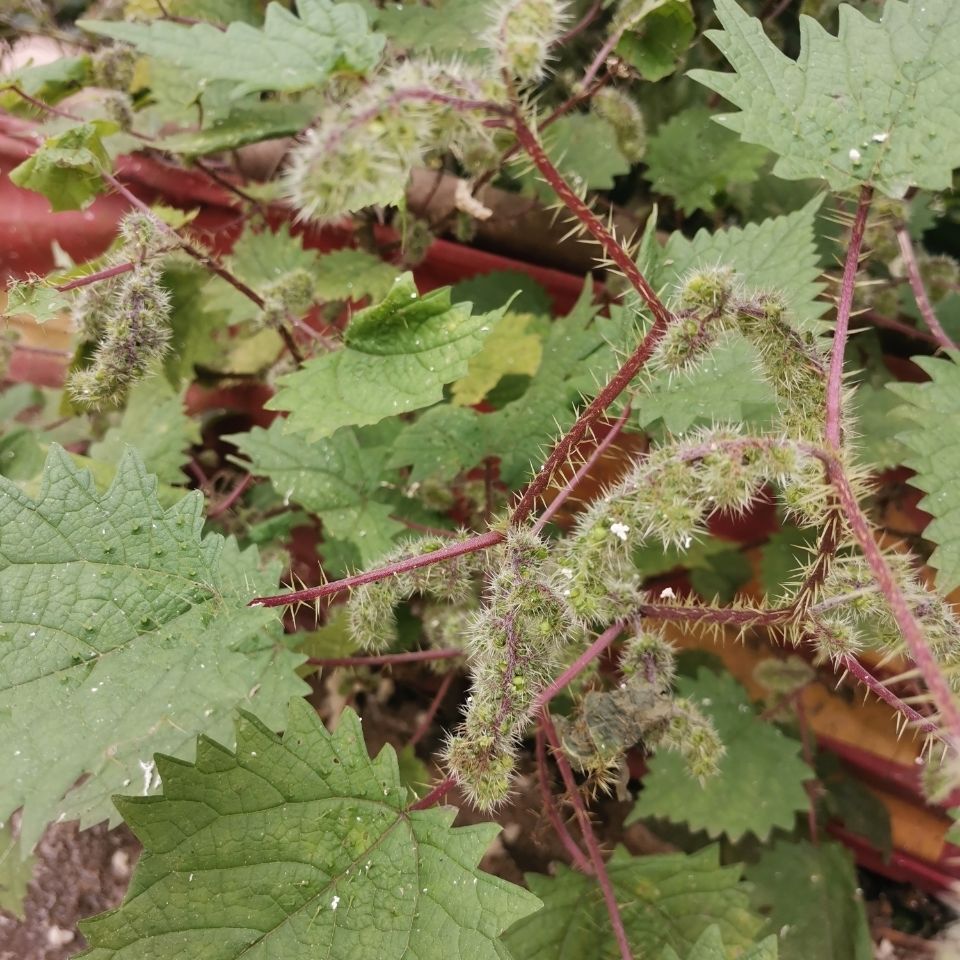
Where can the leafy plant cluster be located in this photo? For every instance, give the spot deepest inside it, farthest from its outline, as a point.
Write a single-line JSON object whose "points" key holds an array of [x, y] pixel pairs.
{"points": [[435, 444]]}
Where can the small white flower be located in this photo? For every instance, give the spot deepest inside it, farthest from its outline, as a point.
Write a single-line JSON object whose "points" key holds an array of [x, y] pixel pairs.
{"points": [[619, 530], [854, 155], [880, 137], [334, 903], [667, 593]]}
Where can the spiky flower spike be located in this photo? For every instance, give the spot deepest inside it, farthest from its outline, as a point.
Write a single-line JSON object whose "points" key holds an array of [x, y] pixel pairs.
{"points": [[360, 153], [135, 333], [623, 114], [608, 723], [514, 643], [522, 34], [371, 607]]}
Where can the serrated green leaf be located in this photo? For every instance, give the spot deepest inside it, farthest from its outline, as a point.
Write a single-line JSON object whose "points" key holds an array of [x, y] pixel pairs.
{"points": [[509, 349], [782, 557], [195, 324], [290, 53], [352, 275], [779, 254], [300, 848], [710, 947], [122, 631], [66, 168], [935, 456], [445, 28], [487, 291], [574, 353], [15, 872], [333, 477], [692, 160], [659, 38], [444, 441], [878, 422], [828, 920], [397, 356], [49, 82], [875, 104], [724, 388], [665, 901], [760, 782], [585, 149], [155, 423], [243, 125]]}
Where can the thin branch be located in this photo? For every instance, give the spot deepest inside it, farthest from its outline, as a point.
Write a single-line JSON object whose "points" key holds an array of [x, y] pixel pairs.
{"points": [[90, 278], [919, 290], [203, 257], [622, 378], [581, 24], [578, 666], [844, 307], [386, 659], [550, 808], [913, 637], [435, 795], [586, 831], [601, 58], [568, 488], [480, 542], [231, 498], [435, 704], [882, 692]]}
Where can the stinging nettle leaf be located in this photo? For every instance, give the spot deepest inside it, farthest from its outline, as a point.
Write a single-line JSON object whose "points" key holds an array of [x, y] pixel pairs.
{"points": [[710, 947], [665, 901], [828, 920], [298, 848], [398, 354], [935, 456], [760, 782], [121, 631], [66, 168], [333, 477], [444, 441], [156, 425], [876, 104], [290, 53]]}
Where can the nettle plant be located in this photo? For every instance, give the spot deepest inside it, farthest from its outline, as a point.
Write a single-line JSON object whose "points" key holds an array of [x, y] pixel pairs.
{"points": [[131, 638]]}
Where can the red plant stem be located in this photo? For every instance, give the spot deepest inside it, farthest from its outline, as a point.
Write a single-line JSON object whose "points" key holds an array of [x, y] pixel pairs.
{"points": [[725, 615], [45, 107], [431, 713], [553, 814], [582, 24], [844, 308], [919, 290], [913, 637], [879, 320], [203, 257], [637, 359], [568, 488], [882, 692], [480, 542], [386, 659], [602, 54], [90, 278], [231, 498], [586, 830], [578, 666], [435, 795]]}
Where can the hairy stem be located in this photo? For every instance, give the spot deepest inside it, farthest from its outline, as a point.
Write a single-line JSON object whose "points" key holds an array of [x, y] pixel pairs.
{"points": [[553, 814], [90, 278], [578, 666], [385, 659], [561, 498], [844, 308], [438, 698], [919, 290], [435, 795], [480, 542], [589, 838], [913, 637], [882, 692]]}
